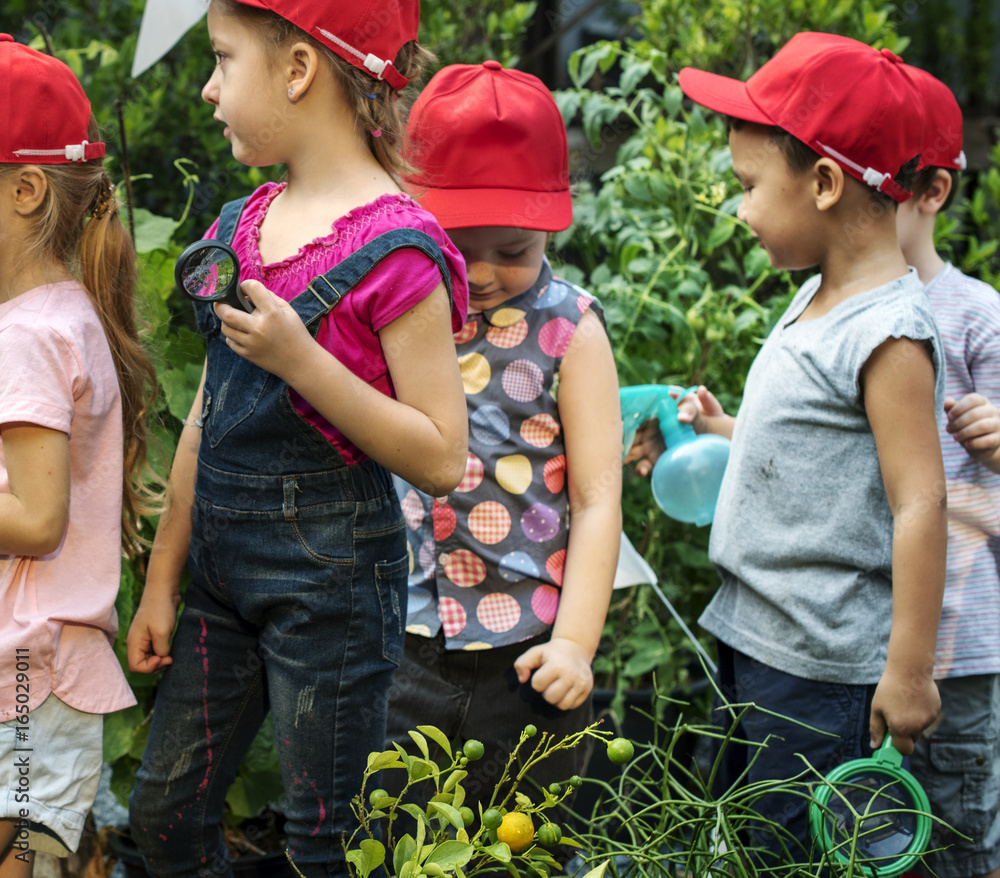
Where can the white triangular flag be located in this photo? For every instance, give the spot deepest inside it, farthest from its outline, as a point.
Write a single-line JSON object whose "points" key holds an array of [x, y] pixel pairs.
{"points": [[632, 569], [164, 22]]}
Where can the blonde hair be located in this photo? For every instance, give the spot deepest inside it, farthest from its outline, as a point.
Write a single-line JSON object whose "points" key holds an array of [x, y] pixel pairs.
{"points": [[377, 106], [99, 252]]}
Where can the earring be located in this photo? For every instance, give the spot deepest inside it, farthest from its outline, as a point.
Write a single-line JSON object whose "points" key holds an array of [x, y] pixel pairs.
{"points": [[291, 92]]}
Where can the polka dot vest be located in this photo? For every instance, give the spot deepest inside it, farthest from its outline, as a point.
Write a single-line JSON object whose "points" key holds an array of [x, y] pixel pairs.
{"points": [[487, 560]]}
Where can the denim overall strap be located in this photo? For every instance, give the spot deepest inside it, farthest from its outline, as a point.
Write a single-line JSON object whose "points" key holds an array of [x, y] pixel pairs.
{"points": [[229, 218], [325, 291], [248, 407]]}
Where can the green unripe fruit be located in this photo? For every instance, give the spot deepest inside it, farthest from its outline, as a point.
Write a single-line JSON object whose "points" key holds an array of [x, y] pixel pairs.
{"points": [[473, 750], [375, 795], [620, 751], [492, 819], [555, 789], [468, 817], [530, 731], [575, 780], [549, 835]]}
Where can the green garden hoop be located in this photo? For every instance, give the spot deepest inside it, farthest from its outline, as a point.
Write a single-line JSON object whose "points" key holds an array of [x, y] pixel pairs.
{"points": [[875, 810]]}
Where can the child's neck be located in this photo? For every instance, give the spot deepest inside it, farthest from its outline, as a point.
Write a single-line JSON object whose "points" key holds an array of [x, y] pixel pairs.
{"points": [[925, 259], [29, 275], [323, 185], [863, 254]]}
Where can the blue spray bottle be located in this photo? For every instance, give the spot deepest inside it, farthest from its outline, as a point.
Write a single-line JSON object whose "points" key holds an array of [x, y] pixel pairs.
{"points": [[687, 477]]}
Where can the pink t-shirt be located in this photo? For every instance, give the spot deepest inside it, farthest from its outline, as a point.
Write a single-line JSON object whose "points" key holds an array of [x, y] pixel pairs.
{"points": [[56, 371], [396, 284]]}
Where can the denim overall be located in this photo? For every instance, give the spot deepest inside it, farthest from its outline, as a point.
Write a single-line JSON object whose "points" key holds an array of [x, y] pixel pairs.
{"points": [[297, 603]]}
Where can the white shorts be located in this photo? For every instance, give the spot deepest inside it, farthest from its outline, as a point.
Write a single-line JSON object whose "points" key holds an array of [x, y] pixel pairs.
{"points": [[50, 767]]}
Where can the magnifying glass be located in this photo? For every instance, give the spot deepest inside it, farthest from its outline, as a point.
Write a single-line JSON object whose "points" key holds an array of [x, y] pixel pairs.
{"points": [[209, 271], [869, 805]]}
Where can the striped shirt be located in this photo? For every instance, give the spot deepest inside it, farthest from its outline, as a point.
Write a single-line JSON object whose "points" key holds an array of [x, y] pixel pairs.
{"points": [[968, 316]]}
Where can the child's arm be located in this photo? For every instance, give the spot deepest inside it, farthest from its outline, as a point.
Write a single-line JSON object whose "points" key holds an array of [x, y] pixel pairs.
{"points": [[34, 514], [974, 422], [148, 642], [422, 435], [592, 430], [898, 387]]}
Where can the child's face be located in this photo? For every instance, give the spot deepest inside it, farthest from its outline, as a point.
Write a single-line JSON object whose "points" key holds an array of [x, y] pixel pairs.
{"points": [[501, 262], [245, 90], [777, 203]]}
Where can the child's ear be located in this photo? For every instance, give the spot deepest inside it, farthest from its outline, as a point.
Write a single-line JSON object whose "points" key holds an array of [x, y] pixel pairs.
{"points": [[827, 183], [936, 194], [27, 186], [302, 63]]}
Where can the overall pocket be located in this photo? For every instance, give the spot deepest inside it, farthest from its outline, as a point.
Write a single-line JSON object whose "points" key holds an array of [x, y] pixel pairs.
{"points": [[233, 388], [390, 589]]}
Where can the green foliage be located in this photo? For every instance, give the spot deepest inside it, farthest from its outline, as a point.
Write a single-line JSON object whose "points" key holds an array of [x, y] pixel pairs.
{"points": [[446, 844], [473, 31], [664, 816]]}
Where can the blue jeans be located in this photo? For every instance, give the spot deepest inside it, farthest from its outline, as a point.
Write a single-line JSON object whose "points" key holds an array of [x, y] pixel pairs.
{"points": [[297, 605], [838, 708], [297, 617]]}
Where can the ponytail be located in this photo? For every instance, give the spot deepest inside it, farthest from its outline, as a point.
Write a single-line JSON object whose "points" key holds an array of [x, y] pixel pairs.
{"points": [[79, 226], [108, 272]]}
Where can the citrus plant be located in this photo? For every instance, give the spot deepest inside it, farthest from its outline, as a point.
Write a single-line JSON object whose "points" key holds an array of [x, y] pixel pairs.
{"points": [[511, 831]]}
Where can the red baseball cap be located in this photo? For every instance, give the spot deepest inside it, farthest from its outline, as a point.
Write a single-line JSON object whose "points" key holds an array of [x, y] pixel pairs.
{"points": [[46, 113], [943, 124], [367, 33], [849, 102], [490, 148]]}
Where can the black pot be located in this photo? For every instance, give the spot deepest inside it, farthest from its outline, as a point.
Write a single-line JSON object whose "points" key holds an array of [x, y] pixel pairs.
{"points": [[271, 865]]}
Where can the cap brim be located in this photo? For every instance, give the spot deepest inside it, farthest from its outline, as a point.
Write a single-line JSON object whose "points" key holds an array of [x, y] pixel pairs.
{"points": [[721, 94], [514, 208]]}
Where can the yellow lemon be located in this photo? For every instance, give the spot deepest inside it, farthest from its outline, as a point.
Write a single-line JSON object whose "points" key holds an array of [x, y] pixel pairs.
{"points": [[516, 831]]}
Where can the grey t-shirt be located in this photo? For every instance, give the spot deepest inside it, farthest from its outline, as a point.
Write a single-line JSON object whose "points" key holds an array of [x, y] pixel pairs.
{"points": [[803, 531]]}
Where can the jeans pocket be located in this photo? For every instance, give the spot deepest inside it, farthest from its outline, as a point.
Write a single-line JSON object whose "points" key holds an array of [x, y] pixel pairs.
{"points": [[967, 769], [390, 588]]}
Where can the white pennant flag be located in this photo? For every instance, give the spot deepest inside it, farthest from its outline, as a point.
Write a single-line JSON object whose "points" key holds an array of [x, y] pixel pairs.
{"points": [[164, 22]]}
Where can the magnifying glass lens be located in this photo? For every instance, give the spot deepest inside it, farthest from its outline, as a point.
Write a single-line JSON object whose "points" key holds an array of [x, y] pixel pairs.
{"points": [[208, 273], [880, 835]]}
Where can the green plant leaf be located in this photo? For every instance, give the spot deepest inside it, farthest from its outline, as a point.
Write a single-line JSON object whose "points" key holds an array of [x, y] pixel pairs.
{"points": [[367, 857], [438, 737], [119, 729], [152, 232], [385, 759], [453, 779], [421, 743], [406, 847], [448, 812], [499, 851], [449, 854]]}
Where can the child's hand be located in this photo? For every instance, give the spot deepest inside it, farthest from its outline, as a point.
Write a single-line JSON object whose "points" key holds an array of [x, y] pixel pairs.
{"points": [[563, 674], [905, 705], [693, 409], [148, 642], [697, 406], [646, 448], [272, 336], [974, 422]]}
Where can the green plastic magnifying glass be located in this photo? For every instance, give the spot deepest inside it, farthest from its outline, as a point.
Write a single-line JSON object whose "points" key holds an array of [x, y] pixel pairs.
{"points": [[870, 806]]}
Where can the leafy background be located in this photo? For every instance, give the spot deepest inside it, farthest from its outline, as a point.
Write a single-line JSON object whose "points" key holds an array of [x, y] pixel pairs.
{"points": [[688, 296]]}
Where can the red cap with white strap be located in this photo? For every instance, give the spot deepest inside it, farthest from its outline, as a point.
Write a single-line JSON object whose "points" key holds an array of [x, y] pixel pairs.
{"points": [[366, 33], [857, 105], [46, 113]]}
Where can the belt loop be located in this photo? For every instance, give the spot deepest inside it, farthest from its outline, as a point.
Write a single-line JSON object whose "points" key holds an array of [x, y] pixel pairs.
{"points": [[291, 486]]}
